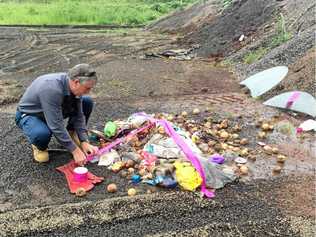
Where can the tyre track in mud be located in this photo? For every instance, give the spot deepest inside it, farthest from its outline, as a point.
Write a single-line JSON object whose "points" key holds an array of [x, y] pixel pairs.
{"points": [[29, 50]]}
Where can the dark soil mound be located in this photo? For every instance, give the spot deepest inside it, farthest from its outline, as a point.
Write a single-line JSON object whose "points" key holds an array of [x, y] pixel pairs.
{"points": [[242, 17], [187, 20], [301, 76]]}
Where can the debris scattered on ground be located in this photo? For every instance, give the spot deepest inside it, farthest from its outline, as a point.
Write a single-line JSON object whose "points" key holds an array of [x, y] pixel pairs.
{"points": [[168, 151], [177, 54]]}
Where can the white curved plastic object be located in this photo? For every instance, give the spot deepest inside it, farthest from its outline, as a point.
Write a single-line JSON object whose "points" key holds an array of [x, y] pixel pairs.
{"points": [[299, 101], [263, 81]]}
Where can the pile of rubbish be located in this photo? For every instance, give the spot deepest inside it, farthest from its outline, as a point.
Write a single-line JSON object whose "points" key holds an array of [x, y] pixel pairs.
{"points": [[172, 151]]}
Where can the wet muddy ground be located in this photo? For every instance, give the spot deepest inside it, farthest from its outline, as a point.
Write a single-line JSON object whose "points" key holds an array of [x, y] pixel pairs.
{"points": [[36, 196]]}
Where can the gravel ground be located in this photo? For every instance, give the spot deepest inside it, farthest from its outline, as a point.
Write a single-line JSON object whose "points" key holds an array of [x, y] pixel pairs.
{"points": [[34, 199]]}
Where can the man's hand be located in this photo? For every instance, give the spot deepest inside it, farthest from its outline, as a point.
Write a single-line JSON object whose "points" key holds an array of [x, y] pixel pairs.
{"points": [[89, 149], [79, 157]]}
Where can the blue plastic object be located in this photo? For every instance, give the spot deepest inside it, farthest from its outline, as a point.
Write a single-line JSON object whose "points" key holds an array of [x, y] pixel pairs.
{"points": [[136, 179]]}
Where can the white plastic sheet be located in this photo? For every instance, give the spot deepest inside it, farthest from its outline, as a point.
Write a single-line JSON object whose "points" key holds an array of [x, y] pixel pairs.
{"points": [[263, 81], [303, 102]]}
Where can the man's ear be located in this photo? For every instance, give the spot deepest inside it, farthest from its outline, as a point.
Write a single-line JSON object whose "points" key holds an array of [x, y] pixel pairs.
{"points": [[77, 81]]}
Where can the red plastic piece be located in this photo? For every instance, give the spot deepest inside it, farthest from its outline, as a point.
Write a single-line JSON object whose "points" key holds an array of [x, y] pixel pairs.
{"points": [[74, 185]]}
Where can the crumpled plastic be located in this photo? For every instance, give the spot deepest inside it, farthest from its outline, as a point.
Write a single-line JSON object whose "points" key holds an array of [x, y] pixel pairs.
{"points": [[73, 185], [215, 177], [136, 121], [163, 147], [187, 177], [109, 158]]}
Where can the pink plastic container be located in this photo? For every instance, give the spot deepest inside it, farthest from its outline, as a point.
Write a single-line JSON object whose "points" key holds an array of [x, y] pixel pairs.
{"points": [[80, 174]]}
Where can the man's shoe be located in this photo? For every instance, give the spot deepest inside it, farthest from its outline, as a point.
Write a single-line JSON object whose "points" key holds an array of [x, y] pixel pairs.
{"points": [[74, 137], [40, 156]]}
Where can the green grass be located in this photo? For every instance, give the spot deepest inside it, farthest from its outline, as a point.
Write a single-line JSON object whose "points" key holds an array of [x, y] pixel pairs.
{"points": [[63, 12], [255, 55], [226, 3], [281, 36]]}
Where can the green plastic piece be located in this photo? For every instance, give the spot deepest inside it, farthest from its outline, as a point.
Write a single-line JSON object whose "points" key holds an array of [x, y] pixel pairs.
{"points": [[110, 129]]}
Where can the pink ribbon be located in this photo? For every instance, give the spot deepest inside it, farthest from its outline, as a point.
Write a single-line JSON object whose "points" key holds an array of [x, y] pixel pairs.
{"points": [[295, 95], [186, 150]]}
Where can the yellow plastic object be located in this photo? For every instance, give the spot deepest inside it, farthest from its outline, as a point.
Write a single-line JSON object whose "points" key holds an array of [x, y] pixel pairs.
{"points": [[186, 175]]}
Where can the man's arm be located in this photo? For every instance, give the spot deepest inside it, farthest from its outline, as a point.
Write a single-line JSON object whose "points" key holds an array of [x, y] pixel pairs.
{"points": [[51, 102]]}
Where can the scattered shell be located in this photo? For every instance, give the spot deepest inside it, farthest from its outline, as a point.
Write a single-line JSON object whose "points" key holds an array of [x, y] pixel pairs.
{"points": [[224, 124], [131, 192], [243, 169], [211, 143], [237, 141], [281, 158], [123, 174], [237, 128], [240, 160], [224, 146], [236, 149], [244, 141], [204, 147], [267, 149], [230, 147], [277, 169], [235, 136], [244, 152], [224, 134], [265, 127], [129, 163], [275, 150], [142, 172], [111, 188], [131, 170], [208, 125], [161, 130], [170, 118], [196, 111], [262, 135], [184, 113], [80, 192], [218, 147], [261, 143], [195, 129]]}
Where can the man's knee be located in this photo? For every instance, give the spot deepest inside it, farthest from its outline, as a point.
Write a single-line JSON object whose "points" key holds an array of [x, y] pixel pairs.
{"points": [[41, 138]]}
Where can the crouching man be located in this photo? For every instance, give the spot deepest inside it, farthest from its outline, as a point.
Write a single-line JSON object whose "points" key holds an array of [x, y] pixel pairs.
{"points": [[49, 100]]}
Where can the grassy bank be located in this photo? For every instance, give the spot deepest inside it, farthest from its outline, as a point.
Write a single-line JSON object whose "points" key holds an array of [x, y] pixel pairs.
{"points": [[95, 12]]}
